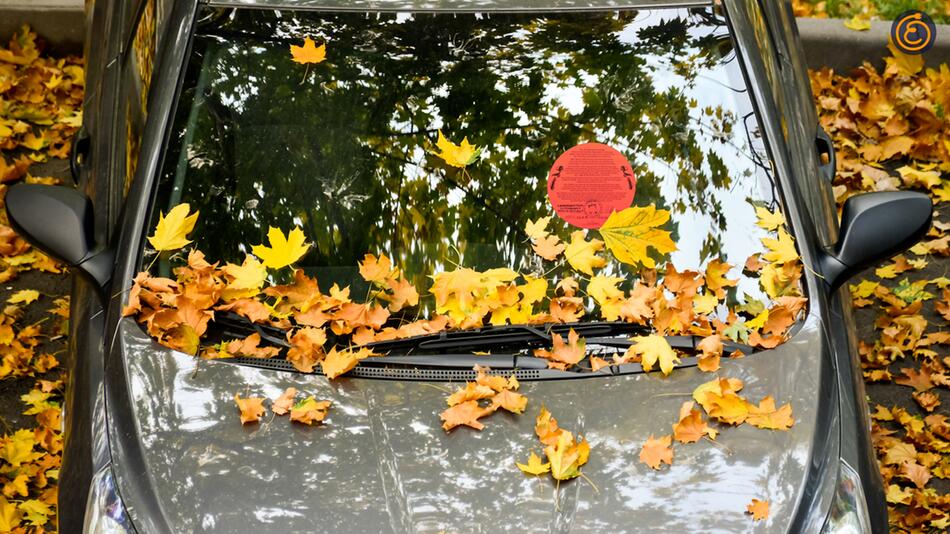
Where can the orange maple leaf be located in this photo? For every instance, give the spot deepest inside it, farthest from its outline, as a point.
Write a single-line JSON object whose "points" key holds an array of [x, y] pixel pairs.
{"points": [[657, 451], [758, 509], [309, 52], [285, 402], [252, 408], [466, 413]]}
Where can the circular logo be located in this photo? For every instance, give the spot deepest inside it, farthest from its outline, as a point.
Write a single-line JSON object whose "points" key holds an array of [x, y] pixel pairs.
{"points": [[913, 32], [589, 182]]}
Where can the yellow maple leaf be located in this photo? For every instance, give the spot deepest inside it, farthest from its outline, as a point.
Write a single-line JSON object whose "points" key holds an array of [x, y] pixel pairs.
{"points": [[18, 448], [461, 155], [9, 515], [769, 220], [920, 178], [24, 296], [171, 232], [766, 415], [652, 349], [705, 303], [309, 52], [901, 63], [628, 234], [604, 288], [283, 250], [245, 279], [566, 456], [865, 289], [534, 465], [858, 23], [781, 250], [537, 229], [37, 512], [582, 254], [343, 361]]}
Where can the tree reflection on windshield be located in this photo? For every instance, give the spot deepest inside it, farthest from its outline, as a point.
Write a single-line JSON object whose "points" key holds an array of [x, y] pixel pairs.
{"points": [[344, 149]]}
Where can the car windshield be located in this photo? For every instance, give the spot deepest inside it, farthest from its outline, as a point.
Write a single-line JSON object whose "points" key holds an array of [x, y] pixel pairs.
{"points": [[508, 142]]}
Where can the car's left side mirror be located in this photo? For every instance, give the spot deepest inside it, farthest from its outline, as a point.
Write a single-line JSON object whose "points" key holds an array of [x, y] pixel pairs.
{"points": [[874, 227], [58, 221]]}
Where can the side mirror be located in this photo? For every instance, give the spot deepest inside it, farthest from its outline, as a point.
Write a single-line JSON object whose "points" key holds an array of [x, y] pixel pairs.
{"points": [[874, 227], [58, 221]]}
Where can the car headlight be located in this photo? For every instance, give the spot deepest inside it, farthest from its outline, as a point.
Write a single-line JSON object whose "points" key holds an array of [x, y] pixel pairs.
{"points": [[105, 513], [849, 510]]}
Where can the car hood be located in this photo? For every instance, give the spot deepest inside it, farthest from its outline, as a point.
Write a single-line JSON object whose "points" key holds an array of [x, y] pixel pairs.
{"points": [[382, 463]]}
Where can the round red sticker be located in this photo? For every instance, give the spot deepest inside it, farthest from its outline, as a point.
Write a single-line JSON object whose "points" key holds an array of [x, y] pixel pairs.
{"points": [[589, 182]]}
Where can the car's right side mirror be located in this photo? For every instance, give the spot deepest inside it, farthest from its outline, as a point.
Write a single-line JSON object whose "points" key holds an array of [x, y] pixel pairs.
{"points": [[874, 227]]}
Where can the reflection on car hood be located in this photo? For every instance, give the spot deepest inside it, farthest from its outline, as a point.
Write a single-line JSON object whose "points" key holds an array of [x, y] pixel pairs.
{"points": [[383, 463]]}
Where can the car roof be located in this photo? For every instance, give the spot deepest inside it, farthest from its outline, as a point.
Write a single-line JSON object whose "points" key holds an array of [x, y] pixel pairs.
{"points": [[455, 5]]}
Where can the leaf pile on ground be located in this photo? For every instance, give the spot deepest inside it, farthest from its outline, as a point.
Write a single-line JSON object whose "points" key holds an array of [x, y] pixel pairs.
{"points": [[939, 10], [40, 99], [891, 131]]}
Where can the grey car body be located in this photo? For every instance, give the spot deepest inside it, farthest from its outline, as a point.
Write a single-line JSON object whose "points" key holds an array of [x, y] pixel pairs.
{"points": [[163, 425]]}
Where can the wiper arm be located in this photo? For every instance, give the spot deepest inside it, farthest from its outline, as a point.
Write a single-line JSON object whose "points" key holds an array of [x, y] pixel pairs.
{"points": [[499, 336], [458, 361], [234, 326]]}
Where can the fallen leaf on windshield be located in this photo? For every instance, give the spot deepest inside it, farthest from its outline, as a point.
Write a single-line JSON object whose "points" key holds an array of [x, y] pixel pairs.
{"points": [[245, 280], [374, 269], [781, 250], [534, 465], [537, 229], [630, 232], [285, 402], [657, 451], [309, 52], [582, 254], [24, 296], [309, 411], [652, 349], [461, 155], [252, 408], [283, 250], [172, 230], [758, 509], [549, 247]]}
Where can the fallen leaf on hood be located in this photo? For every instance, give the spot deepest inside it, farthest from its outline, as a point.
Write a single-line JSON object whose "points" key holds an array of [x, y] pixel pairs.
{"points": [[657, 451], [466, 413], [309, 411], [285, 402], [252, 408], [758, 509], [691, 427], [534, 465], [765, 415], [567, 456]]}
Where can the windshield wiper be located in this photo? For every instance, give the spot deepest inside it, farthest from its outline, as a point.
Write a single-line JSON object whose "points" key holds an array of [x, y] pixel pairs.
{"points": [[507, 335]]}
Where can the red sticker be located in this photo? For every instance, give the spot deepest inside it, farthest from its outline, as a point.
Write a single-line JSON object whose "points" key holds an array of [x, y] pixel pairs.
{"points": [[589, 182]]}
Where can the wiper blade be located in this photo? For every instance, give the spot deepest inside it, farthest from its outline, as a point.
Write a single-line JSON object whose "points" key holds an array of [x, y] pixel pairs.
{"points": [[499, 336], [234, 326]]}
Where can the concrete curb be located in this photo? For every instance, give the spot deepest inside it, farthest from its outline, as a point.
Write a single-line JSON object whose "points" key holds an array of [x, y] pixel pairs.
{"points": [[61, 23], [828, 43]]}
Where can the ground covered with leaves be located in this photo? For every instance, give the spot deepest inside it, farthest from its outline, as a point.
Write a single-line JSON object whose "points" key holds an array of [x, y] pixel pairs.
{"points": [[40, 111], [891, 132]]}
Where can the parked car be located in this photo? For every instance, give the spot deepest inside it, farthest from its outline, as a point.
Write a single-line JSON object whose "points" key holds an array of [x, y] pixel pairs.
{"points": [[200, 102]]}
